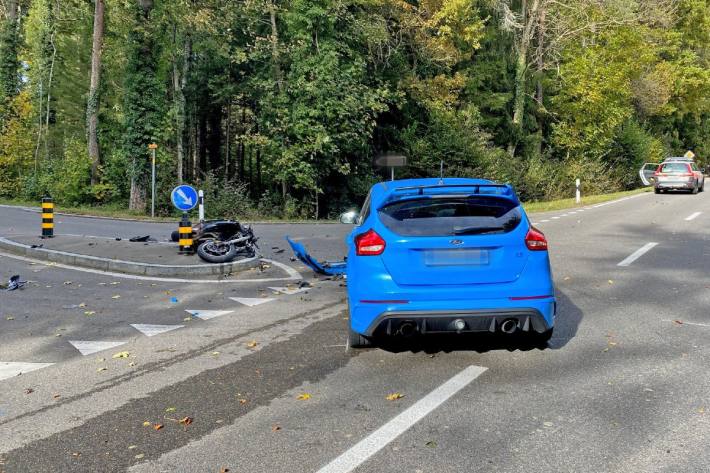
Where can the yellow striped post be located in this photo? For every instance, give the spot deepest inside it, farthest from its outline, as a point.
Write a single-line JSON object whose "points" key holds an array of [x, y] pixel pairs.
{"points": [[185, 241], [47, 217]]}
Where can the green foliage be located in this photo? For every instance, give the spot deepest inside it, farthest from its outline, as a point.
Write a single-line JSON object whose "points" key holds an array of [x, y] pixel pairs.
{"points": [[284, 106]]}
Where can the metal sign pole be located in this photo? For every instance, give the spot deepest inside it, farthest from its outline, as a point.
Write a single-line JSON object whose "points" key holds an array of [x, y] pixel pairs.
{"points": [[152, 148]]}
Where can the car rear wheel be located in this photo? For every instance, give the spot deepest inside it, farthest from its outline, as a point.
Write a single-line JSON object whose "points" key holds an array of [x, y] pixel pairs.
{"points": [[695, 189], [656, 190]]}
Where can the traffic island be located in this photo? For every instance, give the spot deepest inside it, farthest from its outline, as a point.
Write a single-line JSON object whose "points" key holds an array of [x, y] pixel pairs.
{"points": [[159, 259]]}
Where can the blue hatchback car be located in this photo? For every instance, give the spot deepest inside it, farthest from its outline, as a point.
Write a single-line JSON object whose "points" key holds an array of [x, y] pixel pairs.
{"points": [[447, 256]]}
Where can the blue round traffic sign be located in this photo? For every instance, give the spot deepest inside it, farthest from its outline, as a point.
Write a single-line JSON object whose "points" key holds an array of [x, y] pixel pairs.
{"points": [[184, 198]]}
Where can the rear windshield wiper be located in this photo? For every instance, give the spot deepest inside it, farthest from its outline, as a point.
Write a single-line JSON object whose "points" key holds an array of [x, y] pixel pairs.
{"points": [[476, 230]]}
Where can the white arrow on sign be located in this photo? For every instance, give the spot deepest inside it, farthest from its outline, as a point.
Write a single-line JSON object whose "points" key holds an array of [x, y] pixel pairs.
{"points": [[186, 199]]}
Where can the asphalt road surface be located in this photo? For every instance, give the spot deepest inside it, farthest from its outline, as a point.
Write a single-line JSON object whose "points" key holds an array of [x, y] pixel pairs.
{"points": [[256, 380]]}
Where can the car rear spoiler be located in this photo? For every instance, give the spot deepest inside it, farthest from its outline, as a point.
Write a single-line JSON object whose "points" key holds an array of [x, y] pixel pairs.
{"points": [[507, 187], [326, 268]]}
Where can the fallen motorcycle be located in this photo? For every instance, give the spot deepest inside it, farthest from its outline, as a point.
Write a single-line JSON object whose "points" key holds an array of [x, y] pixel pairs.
{"points": [[222, 241]]}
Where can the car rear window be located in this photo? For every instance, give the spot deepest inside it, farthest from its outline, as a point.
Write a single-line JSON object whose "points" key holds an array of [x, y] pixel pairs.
{"points": [[446, 216], [674, 167]]}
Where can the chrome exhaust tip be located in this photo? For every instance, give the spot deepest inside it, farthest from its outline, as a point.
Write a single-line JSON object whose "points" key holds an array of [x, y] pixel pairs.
{"points": [[509, 326]]}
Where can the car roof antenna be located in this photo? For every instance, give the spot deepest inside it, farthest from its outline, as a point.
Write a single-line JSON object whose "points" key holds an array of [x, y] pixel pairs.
{"points": [[441, 173]]}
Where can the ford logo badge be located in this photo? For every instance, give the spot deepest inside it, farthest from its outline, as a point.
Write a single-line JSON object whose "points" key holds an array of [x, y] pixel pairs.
{"points": [[456, 242]]}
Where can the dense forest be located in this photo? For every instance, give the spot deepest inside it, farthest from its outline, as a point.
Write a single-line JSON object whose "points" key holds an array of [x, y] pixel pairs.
{"points": [[281, 107]]}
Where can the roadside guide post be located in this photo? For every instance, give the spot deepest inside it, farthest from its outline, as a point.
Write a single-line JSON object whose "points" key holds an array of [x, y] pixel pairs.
{"points": [[47, 217], [184, 198], [578, 193], [152, 147], [185, 235], [201, 208]]}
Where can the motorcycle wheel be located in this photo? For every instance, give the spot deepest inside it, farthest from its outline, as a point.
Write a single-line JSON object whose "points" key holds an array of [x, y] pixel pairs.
{"points": [[214, 252]]}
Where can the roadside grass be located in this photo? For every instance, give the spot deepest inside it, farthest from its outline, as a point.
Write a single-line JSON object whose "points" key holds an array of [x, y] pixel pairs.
{"points": [[115, 211], [562, 204]]}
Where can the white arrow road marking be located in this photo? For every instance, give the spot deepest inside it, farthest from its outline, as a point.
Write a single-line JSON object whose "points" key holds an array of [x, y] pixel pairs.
{"points": [[289, 292], [185, 198], [9, 369], [150, 330], [88, 347], [208, 314], [638, 253], [377, 440], [692, 216], [251, 301]]}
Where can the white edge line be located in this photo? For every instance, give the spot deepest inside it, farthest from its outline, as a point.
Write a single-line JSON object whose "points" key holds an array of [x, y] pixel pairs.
{"points": [[638, 253], [378, 439], [692, 216], [293, 274]]}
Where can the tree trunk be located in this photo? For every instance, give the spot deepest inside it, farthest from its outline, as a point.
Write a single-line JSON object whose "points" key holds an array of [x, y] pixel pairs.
{"points": [[539, 93], [275, 59], [92, 108], [179, 83], [137, 200], [521, 66]]}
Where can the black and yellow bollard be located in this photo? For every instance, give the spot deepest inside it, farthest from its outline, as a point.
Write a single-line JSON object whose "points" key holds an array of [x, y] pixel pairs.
{"points": [[47, 217], [185, 235]]}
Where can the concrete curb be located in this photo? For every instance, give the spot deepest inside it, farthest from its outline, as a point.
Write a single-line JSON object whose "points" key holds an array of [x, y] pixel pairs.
{"points": [[170, 221], [127, 267]]}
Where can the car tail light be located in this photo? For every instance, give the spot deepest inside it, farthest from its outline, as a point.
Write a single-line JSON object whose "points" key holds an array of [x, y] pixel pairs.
{"points": [[535, 240], [369, 244]]}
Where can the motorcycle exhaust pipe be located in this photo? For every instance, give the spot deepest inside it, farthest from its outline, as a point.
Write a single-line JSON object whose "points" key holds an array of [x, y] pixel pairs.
{"points": [[509, 326]]}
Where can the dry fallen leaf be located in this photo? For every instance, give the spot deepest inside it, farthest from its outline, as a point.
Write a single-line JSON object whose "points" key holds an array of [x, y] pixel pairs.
{"points": [[29, 391], [89, 313], [304, 397], [243, 401], [678, 322], [122, 354], [170, 409], [275, 428], [252, 344], [76, 454], [10, 317], [394, 396], [116, 297], [224, 470], [139, 456], [131, 447], [186, 421], [611, 282], [146, 424], [215, 353], [157, 426], [103, 368]]}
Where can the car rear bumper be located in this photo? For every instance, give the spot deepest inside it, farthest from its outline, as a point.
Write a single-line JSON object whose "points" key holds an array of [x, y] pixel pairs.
{"points": [[675, 185], [429, 322]]}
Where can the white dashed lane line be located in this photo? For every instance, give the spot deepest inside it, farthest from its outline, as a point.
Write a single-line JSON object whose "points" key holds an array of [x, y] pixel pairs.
{"points": [[692, 216], [638, 253], [380, 438]]}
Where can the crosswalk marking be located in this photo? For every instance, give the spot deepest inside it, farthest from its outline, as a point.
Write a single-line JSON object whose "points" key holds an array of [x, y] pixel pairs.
{"points": [[150, 330], [10, 369], [208, 314], [289, 291], [89, 347], [251, 301]]}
